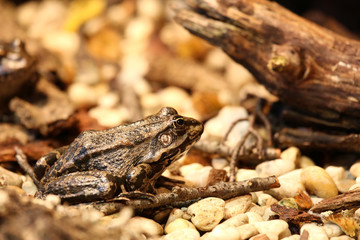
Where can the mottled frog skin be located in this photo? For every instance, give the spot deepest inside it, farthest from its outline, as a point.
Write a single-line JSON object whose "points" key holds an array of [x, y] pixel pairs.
{"points": [[100, 165]]}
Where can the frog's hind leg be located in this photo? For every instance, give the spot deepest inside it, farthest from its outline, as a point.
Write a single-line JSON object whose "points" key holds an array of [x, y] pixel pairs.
{"points": [[80, 187]]}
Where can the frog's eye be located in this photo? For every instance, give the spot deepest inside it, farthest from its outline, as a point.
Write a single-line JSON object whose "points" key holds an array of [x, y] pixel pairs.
{"points": [[179, 122], [165, 139]]}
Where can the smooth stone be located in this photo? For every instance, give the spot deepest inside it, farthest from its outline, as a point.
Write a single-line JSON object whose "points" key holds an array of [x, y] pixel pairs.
{"points": [[235, 221], [109, 117], [256, 209], [199, 178], [245, 174], [219, 163], [29, 187], [189, 168], [254, 217], [292, 237], [355, 169], [304, 162], [336, 173], [217, 126], [265, 199], [273, 229], [317, 181], [315, 232], [229, 233], [178, 224], [332, 230], [344, 185], [342, 237], [207, 213], [290, 185], [183, 234], [291, 154], [11, 178], [237, 205], [147, 226], [276, 167], [247, 231], [268, 213], [174, 214]]}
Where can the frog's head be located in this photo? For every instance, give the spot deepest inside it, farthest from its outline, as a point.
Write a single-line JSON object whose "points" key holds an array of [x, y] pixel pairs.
{"points": [[174, 138]]}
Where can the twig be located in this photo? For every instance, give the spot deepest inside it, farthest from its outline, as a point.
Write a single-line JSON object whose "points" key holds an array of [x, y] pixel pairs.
{"points": [[22, 161], [343, 201], [183, 196]]}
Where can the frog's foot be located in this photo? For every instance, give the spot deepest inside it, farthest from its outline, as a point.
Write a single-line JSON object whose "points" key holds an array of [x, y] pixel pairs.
{"points": [[168, 183], [135, 195]]}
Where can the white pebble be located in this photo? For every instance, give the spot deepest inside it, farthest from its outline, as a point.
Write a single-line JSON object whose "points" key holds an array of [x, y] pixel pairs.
{"points": [[183, 234], [219, 163], [254, 217], [247, 231], [315, 232], [219, 125], [245, 174], [304, 162], [268, 213], [11, 178], [276, 167], [29, 187], [145, 225], [178, 224], [292, 237], [189, 168], [291, 154], [290, 185], [237, 205], [273, 229], [355, 169], [342, 237], [174, 214], [230, 233], [200, 177], [265, 199], [109, 117], [235, 221], [336, 173], [207, 213], [332, 230]]}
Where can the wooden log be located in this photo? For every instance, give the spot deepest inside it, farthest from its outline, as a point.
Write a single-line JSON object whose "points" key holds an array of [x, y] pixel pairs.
{"points": [[306, 66]]}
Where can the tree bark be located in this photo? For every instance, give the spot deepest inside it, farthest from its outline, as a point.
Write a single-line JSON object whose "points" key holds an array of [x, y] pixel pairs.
{"points": [[308, 67]]}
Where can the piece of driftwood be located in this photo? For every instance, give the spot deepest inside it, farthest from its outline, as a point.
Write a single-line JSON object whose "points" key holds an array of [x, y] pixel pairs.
{"points": [[311, 69], [343, 201]]}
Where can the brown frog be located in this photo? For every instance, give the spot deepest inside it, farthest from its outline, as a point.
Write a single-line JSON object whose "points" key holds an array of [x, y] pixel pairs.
{"points": [[100, 165]]}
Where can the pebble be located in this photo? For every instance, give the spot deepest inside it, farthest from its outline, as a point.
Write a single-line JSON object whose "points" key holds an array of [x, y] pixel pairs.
{"points": [[292, 237], [145, 225], [291, 154], [268, 213], [178, 224], [199, 178], [29, 187], [235, 221], [254, 217], [245, 174], [247, 231], [332, 230], [317, 181], [256, 209], [207, 213], [355, 169], [237, 205], [290, 185], [219, 163], [230, 233], [315, 232], [109, 117], [189, 168], [342, 237], [265, 199], [344, 185], [219, 125], [183, 234], [304, 162], [336, 173], [273, 229], [174, 214], [276, 167], [11, 178]]}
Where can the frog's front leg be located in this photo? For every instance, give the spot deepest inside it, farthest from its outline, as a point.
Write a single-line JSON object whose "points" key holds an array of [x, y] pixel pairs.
{"points": [[83, 186], [46, 161]]}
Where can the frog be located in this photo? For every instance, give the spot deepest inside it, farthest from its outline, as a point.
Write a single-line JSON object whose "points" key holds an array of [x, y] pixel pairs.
{"points": [[123, 161]]}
